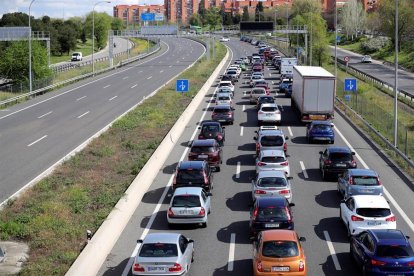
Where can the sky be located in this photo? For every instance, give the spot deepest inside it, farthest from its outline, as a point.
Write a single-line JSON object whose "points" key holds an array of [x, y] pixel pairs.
{"points": [[65, 8]]}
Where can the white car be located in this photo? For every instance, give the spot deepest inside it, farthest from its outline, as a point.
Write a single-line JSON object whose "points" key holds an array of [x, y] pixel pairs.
{"points": [[226, 84], [189, 205], [361, 212], [366, 59], [254, 78], [224, 39], [224, 99], [269, 113], [255, 93], [76, 56], [235, 67], [272, 160], [225, 89], [163, 254], [271, 183]]}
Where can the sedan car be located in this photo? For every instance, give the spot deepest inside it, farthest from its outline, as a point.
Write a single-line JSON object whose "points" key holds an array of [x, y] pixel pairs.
{"points": [[223, 114], [189, 205], [334, 160], [255, 93], [193, 174], [271, 183], [208, 150], [362, 212], [383, 252], [212, 130], [264, 99], [164, 254], [359, 182], [279, 252], [270, 213], [269, 113], [320, 131], [366, 59], [272, 160], [224, 39], [224, 98]]}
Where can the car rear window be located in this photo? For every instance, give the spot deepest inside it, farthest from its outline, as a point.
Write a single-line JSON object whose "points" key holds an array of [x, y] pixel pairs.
{"points": [[224, 84], [272, 182], [201, 149], [210, 129], [373, 212], [223, 98], [195, 176], [273, 159], [276, 212], [258, 91], [365, 180], [269, 108], [395, 251], [341, 156], [158, 250], [280, 249], [188, 201], [271, 141], [266, 100], [321, 127]]}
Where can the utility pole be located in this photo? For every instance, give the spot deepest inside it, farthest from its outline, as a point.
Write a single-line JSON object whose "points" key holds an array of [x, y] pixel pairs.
{"points": [[336, 43], [396, 78]]}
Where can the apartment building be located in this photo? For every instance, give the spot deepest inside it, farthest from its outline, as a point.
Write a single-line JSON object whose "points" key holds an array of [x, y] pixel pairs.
{"points": [[131, 14]]}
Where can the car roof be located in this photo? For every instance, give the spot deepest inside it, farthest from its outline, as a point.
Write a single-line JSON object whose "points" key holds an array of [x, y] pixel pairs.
{"points": [[272, 152], [207, 123], [279, 234], [185, 165], [269, 132], [187, 191], [205, 142], [271, 174], [269, 105], [370, 201], [389, 237], [362, 172], [162, 238], [339, 149], [223, 94], [222, 106], [275, 200]]}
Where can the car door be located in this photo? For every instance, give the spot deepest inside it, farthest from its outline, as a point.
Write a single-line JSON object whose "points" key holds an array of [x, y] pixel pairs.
{"points": [[347, 209], [186, 253], [343, 182], [358, 248], [206, 201]]}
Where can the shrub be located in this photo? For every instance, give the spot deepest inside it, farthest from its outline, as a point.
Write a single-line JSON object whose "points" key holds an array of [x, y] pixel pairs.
{"points": [[374, 44]]}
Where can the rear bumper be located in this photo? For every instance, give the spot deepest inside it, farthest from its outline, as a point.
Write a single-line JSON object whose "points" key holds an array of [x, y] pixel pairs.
{"points": [[186, 220]]}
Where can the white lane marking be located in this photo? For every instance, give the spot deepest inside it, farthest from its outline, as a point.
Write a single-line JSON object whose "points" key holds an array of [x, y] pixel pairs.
{"points": [[135, 85], [241, 131], [106, 86], [127, 268], [244, 107], [149, 77], [44, 115], [170, 66], [273, 82], [238, 170], [140, 71], [112, 98], [4, 110], [270, 74], [161, 71], [124, 78], [230, 264], [80, 116], [387, 194], [290, 131], [78, 99], [38, 140], [302, 166], [332, 250]]}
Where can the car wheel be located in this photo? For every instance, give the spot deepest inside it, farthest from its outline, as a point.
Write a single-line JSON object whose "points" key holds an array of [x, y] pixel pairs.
{"points": [[217, 168], [204, 225], [323, 174], [170, 225]]}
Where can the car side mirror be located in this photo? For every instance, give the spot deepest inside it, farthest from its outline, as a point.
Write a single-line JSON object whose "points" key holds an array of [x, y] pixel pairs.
{"points": [[302, 239], [190, 241], [321, 152], [199, 127], [255, 138], [140, 241], [353, 153], [290, 177], [223, 127], [408, 237], [286, 138], [255, 131], [233, 108], [292, 204]]}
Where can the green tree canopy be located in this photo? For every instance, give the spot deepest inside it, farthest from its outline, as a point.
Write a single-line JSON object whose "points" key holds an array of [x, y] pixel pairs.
{"points": [[102, 26], [213, 17], [245, 15]]}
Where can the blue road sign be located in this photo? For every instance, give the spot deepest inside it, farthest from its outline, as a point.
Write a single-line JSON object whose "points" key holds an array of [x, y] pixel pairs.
{"points": [[338, 38], [347, 97], [350, 85], [148, 16], [182, 86]]}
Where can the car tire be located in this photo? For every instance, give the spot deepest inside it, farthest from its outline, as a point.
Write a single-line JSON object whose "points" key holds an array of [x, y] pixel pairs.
{"points": [[204, 225], [170, 225], [218, 169]]}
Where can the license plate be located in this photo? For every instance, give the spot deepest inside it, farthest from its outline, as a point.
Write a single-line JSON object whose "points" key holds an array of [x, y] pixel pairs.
{"points": [[268, 115], [203, 156], [374, 223], [367, 191], [280, 268], [155, 268], [317, 117], [186, 212], [271, 225], [340, 165]]}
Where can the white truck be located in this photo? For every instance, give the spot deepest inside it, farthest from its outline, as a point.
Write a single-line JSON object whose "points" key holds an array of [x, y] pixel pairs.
{"points": [[313, 93], [286, 65]]}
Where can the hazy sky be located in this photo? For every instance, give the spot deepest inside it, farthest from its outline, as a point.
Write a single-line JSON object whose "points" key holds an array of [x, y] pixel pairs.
{"points": [[65, 8]]}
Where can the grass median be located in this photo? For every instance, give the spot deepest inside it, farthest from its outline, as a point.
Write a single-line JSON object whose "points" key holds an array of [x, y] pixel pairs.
{"points": [[52, 216]]}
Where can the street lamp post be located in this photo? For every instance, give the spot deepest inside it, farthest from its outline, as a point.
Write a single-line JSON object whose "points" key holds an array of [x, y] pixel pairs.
{"points": [[336, 42], [93, 32], [30, 50], [311, 35], [396, 78], [287, 24]]}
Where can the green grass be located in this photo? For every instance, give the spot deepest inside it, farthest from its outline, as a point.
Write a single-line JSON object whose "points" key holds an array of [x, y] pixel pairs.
{"points": [[52, 216]]}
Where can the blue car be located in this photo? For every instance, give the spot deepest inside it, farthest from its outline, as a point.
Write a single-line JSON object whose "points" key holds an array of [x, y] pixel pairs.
{"points": [[320, 131], [383, 252]]}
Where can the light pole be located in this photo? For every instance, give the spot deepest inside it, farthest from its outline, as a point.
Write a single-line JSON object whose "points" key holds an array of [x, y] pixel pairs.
{"points": [[336, 42], [287, 25], [30, 50], [311, 32], [93, 32], [396, 78]]}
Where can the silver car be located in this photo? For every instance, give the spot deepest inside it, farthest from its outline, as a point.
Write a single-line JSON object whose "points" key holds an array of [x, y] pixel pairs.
{"points": [[164, 254], [189, 205], [272, 160], [359, 182], [255, 93], [271, 183]]}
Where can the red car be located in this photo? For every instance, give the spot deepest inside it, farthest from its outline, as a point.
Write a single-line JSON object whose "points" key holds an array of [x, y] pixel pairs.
{"points": [[208, 150], [265, 86], [257, 68]]}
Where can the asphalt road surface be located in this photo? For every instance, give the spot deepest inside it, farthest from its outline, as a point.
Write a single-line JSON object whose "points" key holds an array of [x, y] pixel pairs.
{"points": [[36, 134], [223, 248]]}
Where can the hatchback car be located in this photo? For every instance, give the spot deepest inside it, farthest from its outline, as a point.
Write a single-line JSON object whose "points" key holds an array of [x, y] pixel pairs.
{"points": [[232, 74], [255, 77], [271, 183], [334, 160], [269, 113], [359, 182], [223, 114], [279, 252], [208, 150], [255, 93], [164, 254], [366, 59], [212, 130], [225, 89], [270, 213], [76, 56], [383, 252], [270, 139], [228, 84], [189, 205], [361, 212], [320, 131], [193, 174], [272, 160], [224, 39], [264, 99], [283, 86], [224, 98]]}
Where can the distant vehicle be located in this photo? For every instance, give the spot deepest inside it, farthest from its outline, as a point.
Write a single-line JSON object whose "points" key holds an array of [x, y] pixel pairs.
{"points": [[359, 182], [284, 85], [335, 160], [212, 130], [223, 114], [224, 39], [267, 138], [227, 83], [163, 254], [264, 99], [286, 65], [320, 131], [207, 149], [193, 174], [76, 56], [366, 59], [255, 93], [224, 98], [271, 183], [272, 160]]}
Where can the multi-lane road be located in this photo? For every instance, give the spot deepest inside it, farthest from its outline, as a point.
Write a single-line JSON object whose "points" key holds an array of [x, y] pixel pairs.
{"points": [[40, 132], [223, 248]]}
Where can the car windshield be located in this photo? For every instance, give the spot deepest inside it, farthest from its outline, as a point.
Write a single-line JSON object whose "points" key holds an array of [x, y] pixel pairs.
{"points": [[271, 141], [266, 100], [158, 250], [272, 182], [201, 149], [373, 212], [394, 251], [321, 127], [195, 176], [365, 180], [341, 156], [188, 201], [272, 213], [273, 159], [269, 108], [221, 110], [280, 249], [76, 54]]}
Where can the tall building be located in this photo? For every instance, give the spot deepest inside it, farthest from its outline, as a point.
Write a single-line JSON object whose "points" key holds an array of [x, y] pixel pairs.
{"points": [[131, 14]]}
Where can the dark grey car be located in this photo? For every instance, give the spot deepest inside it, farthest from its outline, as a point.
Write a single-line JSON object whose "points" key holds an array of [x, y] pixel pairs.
{"points": [[359, 182], [223, 114]]}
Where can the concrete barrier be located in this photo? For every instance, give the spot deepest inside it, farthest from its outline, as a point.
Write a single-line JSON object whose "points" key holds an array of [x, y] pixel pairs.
{"points": [[95, 252]]}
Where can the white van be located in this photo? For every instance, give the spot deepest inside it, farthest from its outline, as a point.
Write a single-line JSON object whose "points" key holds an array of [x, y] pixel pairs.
{"points": [[76, 56]]}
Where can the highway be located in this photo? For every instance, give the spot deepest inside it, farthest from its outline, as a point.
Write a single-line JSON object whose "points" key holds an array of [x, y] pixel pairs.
{"points": [[38, 133], [223, 248]]}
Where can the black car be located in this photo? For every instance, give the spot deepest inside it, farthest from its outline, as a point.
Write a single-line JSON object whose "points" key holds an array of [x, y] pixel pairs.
{"points": [[270, 213], [336, 160], [264, 99], [193, 174], [212, 130], [228, 78], [223, 114]]}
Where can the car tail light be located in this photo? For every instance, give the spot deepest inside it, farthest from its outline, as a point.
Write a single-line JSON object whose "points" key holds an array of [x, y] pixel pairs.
{"points": [[284, 147], [301, 265], [261, 164], [377, 263], [356, 218], [202, 212], [327, 162], [213, 114], [175, 180], [170, 213], [205, 178], [260, 112], [392, 218], [219, 137], [255, 213], [284, 192], [259, 266], [138, 268], [284, 163], [260, 192], [353, 163], [229, 114], [175, 268], [350, 181], [410, 264], [200, 136], [379, 181], [257, 147], [289, 217]]}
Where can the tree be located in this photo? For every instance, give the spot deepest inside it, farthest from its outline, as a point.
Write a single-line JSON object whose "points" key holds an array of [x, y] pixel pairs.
{"points": [[213, 17], [67, 37], [228, 20], [353, 18], [195, 20], [258, 14], [245, 15], [117, 24], [102, 26], [236, 19]]}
